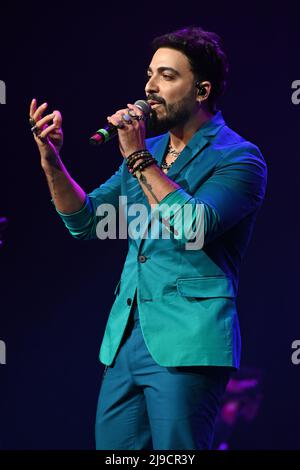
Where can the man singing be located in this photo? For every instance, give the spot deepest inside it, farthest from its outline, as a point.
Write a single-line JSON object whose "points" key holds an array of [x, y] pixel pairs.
{"points": [[172, 337]]}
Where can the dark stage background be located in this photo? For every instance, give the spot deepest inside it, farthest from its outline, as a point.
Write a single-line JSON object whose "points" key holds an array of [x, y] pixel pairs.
{"points": [[56, 292]]}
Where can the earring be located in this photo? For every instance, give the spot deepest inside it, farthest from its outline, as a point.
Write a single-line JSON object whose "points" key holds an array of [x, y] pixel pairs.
{"points": [[201, 89]]}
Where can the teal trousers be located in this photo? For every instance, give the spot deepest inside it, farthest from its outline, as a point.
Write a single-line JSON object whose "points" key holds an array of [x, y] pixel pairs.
{"points": [[145, 406]]}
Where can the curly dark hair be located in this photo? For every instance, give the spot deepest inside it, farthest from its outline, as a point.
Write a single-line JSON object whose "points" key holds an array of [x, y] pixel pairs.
{"points": [[207, 59]]}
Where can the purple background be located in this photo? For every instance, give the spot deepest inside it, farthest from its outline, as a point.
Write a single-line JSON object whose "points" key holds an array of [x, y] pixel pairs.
{"points": [[56, 292]]}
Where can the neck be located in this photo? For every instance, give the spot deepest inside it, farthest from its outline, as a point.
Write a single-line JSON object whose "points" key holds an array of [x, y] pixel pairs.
{"points": [[179, 136]]}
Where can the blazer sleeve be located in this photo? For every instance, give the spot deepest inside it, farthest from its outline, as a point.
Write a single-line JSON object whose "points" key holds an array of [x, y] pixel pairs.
{"points": [[82, 224], [235, 188]]}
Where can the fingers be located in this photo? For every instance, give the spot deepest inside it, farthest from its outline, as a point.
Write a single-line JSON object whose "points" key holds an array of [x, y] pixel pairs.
{"points": [[47, 131], [36, 113], [57, 119], [118, 119], [137, 110], [32, 107], [40, 125]]}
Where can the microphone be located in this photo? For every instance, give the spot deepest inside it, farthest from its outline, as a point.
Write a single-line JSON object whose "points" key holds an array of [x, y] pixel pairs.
{"points": [[109, 131]]}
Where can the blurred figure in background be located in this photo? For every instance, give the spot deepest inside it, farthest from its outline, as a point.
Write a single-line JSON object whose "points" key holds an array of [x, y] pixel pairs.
{"points": [[240, 406], [3, 225]]}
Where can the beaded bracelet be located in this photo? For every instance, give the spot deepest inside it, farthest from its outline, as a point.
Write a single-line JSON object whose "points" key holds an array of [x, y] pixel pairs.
{"points": [[145, 159], [136, 167], [146, 164], [134, 153], [136, 158], [140, 154], [143, 165]]}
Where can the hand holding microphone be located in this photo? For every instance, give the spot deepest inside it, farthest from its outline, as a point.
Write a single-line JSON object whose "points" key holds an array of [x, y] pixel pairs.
{"points": [[129, 125]]}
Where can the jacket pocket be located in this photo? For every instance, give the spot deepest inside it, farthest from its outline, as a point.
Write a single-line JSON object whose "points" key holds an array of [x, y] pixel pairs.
{"points": [[205, 287]]}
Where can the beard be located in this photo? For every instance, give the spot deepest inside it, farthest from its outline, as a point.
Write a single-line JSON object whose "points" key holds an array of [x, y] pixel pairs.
{"points": [[177, 114]]}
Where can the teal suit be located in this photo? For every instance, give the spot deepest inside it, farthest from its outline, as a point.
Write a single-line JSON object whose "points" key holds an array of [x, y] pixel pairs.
{"points": [[186, 298]]}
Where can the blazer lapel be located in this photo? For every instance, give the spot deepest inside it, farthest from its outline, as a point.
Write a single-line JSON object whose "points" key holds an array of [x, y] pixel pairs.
{"points": [[186, 156], [200, 140]]}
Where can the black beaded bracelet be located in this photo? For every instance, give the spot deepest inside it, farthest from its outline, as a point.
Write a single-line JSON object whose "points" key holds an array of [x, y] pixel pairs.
{"points": [[136, 152], [135, 158], [140, 166], [143, 165], [133, 169]]}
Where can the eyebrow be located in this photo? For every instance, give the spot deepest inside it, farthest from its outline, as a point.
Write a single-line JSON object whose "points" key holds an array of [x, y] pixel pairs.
{"points": [[163, 69]]}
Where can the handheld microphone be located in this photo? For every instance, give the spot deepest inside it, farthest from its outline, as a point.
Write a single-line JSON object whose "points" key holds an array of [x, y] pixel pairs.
{"points": [[109, 131]]}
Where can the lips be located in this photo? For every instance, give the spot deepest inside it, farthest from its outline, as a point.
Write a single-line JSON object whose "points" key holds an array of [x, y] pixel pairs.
{"points": [[153, 103]]}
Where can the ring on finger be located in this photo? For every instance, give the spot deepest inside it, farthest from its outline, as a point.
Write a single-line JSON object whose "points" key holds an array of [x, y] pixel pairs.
{"points": [[32, 122], [120, 125], [132, 113], [35, 130], [127, 118], [43, 139]]}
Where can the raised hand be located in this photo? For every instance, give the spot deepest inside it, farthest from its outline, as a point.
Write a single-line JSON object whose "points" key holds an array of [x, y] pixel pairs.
{"points": [[48, 137]]}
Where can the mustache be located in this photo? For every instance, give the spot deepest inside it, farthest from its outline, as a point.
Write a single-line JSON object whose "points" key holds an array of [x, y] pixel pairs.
{"points": [[156, 98]]}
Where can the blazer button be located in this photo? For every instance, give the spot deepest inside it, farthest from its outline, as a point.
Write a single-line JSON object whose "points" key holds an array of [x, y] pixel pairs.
{"points": [[142, 258], [129, 301]]}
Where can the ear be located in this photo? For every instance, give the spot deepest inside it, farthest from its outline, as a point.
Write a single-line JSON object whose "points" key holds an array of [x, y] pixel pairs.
{"points": [[204, 89]]}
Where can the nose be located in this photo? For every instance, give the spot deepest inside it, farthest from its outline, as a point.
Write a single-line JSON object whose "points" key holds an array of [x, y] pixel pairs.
{"points": [[151, 86]]}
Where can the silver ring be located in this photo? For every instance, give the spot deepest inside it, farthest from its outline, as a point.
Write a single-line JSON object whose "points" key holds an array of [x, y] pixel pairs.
{"points": [[121, 125], [132, 113], [32, 122], [127, 118], [34, 129], [138, 117]]}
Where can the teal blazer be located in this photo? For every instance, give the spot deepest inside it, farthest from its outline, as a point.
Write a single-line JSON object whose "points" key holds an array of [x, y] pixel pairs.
{"points": [[186, 297]]}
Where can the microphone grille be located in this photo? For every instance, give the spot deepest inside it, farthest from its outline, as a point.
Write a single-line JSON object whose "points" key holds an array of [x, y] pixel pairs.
{"points": [[144, 106]]}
